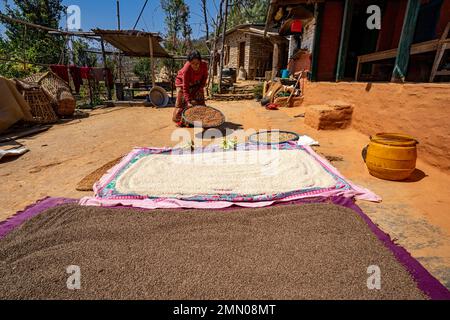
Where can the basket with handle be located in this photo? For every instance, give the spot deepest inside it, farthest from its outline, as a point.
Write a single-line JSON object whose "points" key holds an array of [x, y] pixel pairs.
{"points": [[58, 90]]}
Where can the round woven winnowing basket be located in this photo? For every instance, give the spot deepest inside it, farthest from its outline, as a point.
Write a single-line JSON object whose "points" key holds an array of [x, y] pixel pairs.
{"points": [[265, 137], [58, 90], [189, 116]]}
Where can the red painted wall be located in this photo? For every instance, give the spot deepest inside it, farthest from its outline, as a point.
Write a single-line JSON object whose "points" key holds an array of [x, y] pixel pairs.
{"points": [[391, 24], [444, 18], [329, 40], [301, 63]]}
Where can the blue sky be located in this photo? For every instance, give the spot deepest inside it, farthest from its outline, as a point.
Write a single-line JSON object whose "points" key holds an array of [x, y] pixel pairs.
{"points": [[102, 14]]}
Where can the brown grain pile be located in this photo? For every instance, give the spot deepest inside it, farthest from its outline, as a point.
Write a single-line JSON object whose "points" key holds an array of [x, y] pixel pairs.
{"points": [[312, 251], [209, 117]]}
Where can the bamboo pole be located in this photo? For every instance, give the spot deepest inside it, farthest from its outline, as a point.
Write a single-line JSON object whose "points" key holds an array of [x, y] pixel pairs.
{"points": [[89, 35], [151, 61], [118, 28], [212, 55], [25, 68], [105, 71], [118, 14]]}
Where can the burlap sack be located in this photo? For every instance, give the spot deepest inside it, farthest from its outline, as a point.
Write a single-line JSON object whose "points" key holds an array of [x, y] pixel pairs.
{"points": [[10, 109]]}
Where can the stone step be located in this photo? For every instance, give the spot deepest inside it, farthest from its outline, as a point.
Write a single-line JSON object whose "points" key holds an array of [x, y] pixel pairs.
{"points": [[232, 97]]}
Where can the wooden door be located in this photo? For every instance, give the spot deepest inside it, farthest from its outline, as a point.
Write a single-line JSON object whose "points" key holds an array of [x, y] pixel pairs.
{"points": [[241, 56]]}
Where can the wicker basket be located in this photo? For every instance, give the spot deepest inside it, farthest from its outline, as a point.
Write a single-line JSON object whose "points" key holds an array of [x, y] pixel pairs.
{"points": [[40, 104], [204, 126], [255, 138], [58, 90]]}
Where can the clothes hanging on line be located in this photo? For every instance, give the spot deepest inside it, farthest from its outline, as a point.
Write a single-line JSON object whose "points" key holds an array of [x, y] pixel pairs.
{"points": [[75, 73], [86, 73], [61, 71], [90, 73], [102, 74]]}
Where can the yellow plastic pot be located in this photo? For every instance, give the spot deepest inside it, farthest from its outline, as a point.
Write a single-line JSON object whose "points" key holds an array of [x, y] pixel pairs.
{"points": [[391, 156]]}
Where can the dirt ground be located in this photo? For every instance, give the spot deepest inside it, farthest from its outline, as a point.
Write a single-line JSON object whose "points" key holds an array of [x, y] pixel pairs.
{"points": [[415, 213]]}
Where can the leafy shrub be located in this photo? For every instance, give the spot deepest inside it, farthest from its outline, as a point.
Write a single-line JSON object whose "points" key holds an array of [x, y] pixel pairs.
{"points": [[258, 91]]}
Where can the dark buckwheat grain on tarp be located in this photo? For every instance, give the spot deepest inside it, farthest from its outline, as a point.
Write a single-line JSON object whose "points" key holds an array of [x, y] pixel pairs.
{"points": [[309, 251]]}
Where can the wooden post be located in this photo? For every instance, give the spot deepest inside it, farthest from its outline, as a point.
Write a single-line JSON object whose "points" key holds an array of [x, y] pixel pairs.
{"points": [[212, 55], [406, 38], [118, 14], [316, 46], [440, 53], [91, 96], [25, 68], [171, 75], [118, 28], [151, 61], [223, 45], [275, 59], [105, 70], [345, 37]]}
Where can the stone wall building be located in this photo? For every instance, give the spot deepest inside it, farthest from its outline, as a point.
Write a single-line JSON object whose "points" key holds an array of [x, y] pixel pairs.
{"points": [[246, 46]]}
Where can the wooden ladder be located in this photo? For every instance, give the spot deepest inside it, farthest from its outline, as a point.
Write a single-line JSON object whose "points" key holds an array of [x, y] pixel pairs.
{"points": [[443, 45]]}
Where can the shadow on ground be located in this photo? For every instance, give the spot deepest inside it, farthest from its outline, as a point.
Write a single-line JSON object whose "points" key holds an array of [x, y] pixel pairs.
{"points": [[226, 129]]}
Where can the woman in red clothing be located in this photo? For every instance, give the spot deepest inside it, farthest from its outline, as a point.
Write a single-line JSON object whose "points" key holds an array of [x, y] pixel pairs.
{"points": [[190, 83]]}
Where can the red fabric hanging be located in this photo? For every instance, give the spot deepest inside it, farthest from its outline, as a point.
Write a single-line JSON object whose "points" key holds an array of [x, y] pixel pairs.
{"points": [[61, 71], [296, 26], [110, 78], [75, 72], [86, 72]]}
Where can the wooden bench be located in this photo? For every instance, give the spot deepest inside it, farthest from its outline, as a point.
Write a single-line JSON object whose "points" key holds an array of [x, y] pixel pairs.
{"points": [[438, 45]]}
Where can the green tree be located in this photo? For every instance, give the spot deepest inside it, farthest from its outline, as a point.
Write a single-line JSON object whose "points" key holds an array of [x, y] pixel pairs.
{"points": [[247, 11], [80, 55], [28, 44], [178, 38], [142, 69]]}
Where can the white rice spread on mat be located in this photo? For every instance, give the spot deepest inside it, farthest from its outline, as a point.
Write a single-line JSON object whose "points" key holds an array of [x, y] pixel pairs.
{"points": [[253, 172]]}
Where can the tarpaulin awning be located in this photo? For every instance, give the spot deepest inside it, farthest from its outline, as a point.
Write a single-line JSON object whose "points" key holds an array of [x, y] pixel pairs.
{"points": [[134, 43]]}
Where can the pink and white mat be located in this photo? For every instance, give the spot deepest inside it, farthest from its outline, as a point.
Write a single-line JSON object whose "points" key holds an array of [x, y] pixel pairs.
{"points": [[211, 178]]}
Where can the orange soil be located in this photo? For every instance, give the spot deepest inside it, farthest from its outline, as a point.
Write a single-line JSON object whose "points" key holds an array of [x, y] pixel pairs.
{"points": [[414, 213]]}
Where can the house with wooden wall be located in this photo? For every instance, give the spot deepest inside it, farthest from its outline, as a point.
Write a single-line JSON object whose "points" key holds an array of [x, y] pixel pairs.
{"points": [[411, 44]]}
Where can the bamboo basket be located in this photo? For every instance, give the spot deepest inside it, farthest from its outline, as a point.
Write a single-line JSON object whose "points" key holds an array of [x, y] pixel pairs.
{"points": [[40, 104], [58, 90]]}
